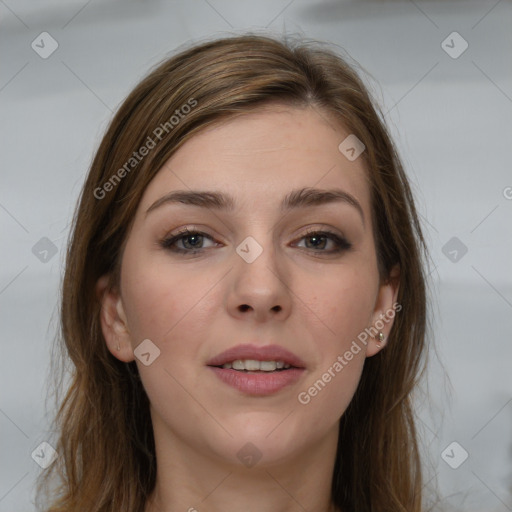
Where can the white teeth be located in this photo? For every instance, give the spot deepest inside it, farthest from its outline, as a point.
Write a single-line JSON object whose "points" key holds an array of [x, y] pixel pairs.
{"points": [[252, 365], [268, 366]]}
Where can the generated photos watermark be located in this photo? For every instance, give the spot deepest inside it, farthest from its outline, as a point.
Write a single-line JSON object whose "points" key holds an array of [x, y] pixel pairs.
{"points": [[304, 397], [137, 156]]}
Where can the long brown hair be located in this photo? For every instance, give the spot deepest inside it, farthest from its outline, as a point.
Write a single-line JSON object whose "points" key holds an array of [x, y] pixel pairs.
{"points": [[105, 440]]}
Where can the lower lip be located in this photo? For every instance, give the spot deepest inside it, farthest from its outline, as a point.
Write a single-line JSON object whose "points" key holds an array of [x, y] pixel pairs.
{"points": [[258, 383]]}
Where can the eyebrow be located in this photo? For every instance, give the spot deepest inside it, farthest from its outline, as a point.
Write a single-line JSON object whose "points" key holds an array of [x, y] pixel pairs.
{"points": [[301, 198]]}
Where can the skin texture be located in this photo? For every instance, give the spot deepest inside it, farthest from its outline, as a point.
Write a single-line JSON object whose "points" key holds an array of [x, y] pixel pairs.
{"points": [[189, 306]]}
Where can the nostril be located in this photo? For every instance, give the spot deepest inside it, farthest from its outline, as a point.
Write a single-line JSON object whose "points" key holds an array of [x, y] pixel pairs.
{"points": [[245, 307]]}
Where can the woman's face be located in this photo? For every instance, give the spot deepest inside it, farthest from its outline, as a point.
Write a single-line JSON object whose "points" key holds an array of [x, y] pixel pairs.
{"points": [[267, 274]]}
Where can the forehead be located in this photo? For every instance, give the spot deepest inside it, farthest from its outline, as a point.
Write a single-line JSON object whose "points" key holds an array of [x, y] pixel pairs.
{"points": [[259, 157]]}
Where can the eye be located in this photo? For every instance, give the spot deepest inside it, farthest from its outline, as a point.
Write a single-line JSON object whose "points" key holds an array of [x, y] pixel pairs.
{"points": [[191, 241], [318, 241]]}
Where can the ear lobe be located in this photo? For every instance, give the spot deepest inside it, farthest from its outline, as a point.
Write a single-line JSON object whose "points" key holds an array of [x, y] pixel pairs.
{"points": [[113, 321], [384, 311]]}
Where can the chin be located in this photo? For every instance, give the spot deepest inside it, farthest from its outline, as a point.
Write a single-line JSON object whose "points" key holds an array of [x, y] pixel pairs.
{"points": [[262, 443]]}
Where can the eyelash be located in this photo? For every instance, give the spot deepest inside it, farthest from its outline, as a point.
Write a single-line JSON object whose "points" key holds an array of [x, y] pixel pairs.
{"points": [[167, 243]]}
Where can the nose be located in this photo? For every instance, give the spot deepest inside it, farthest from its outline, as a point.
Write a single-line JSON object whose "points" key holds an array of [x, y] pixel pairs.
{"points": [[259, 290]]}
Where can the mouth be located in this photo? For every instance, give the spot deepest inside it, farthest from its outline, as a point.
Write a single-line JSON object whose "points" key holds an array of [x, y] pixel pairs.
{"points": [[251, 357], [253, 365], [255, 370]]}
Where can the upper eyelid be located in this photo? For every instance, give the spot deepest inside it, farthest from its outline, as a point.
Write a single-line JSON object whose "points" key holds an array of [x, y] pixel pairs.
{"points": [[188, 231], [317, 227]]}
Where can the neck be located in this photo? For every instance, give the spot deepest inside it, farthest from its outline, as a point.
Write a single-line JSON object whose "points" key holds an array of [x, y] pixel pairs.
{"points": [[193, 479]]}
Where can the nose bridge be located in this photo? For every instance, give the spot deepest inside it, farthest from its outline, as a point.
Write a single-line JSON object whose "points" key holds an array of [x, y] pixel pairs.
{"points": [[258, 259]]}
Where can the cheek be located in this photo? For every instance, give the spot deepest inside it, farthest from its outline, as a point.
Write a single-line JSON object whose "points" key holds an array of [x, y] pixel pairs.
{"points": [[341, 302], [330, 390], [344, 305], [339, 309], [159, 298], [171, 307]]}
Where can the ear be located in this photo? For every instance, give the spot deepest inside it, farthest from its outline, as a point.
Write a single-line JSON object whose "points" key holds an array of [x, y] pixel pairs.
{"points": [[113, 321], [384, 312]]}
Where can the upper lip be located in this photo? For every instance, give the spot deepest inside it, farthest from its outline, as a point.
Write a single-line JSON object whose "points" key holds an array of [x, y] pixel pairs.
{"points": [[258, 353]]}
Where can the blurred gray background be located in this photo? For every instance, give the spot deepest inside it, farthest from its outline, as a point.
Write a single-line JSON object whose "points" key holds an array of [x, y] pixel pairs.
{"points": [[441, 71]]}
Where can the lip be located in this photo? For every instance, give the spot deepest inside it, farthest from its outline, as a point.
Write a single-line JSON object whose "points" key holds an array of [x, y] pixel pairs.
{"points": [[258, 383], [259, 353]]}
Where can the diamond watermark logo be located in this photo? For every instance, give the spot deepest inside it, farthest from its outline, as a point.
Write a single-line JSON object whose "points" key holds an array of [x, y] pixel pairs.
{"points": [[454, 249], [44, 250], [44, 45], [249, 249], [146, 352], [351, 147], [249, 455], [44, 455], [454, 45], [454, 455]]}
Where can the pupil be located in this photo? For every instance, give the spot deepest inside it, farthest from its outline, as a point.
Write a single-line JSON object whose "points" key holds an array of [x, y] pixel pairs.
{"points": [[317, 238], [187, 240]]}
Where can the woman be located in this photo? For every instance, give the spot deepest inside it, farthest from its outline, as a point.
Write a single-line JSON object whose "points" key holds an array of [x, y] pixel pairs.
{"points": [[244, 296]]}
